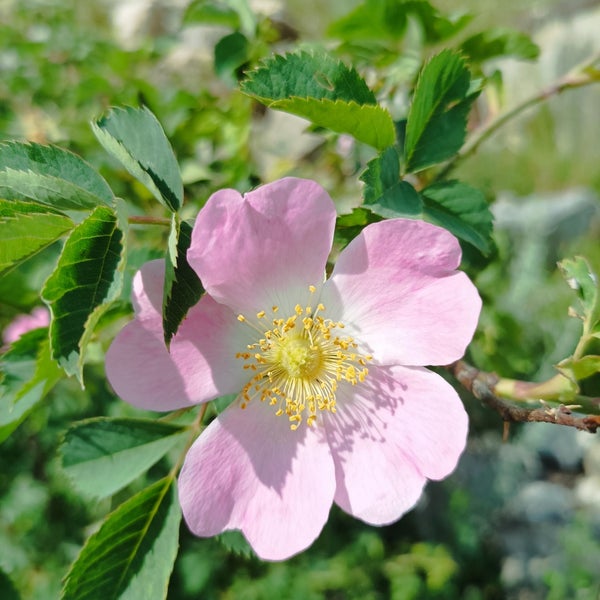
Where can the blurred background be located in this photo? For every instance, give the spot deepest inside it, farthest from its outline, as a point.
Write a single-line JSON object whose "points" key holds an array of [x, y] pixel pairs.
{"points": [[518, 519]]}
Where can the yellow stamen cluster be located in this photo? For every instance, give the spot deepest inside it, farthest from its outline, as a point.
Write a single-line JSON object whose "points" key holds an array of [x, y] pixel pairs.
{"points": [[298, 361]]}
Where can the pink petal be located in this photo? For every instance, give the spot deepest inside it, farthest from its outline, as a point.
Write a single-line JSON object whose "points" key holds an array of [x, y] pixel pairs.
{"points": [[249, 471], [390, 434], [21, 324], [201, 364], [264, 248], [396, 287]]}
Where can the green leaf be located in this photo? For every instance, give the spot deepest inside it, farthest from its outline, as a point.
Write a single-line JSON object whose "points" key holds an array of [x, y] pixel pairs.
{"points": [[9, 592], [323, 90], [385, 193], [135, 138], [103, 455], [231, 52], [497, 42], [462, 210], [131, 556], [87, 278], [577, 369], [211, 13], [376, 20], [437, 118], [235, 542], [27, 228], [182, 288], [27, 374], [52, 176], [580, 277]]}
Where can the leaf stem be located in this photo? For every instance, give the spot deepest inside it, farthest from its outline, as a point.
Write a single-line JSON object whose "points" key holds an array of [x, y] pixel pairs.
{"points": [[581, 75]]}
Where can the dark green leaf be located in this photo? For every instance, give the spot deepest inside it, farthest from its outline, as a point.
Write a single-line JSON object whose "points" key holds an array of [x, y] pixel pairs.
{"points": [[437, 119], [326, 92], [497, 42], [87, 278], [26, 229], [135, 137], [182, 288], [131, 556], [103, 455], [50, 175], [462, 210], [306, 75], [376, 20], [347, 227], [27, 374], [385, 193], [236, 543], [9, 591], [231, 52]]}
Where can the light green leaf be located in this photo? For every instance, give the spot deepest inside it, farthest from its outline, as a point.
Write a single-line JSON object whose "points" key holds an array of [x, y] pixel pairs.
{"points": [[182, 286], [26, 229], [50, 175], [437, 118], [211, 13], [103, 455], [131, 556], [462, 210], [385, 193], [87, 278], [376, 20], [135, 138], [497, 42], [580, 277], [27, 374], [577, 369]]}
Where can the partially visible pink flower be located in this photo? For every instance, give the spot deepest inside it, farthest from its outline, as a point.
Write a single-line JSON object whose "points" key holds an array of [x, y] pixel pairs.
{"points": [[335, 402], [39, 317]]}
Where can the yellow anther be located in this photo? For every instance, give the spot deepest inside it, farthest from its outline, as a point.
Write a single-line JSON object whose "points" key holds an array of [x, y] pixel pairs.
{"points": [[312, 289], [261, 314], [241, 318]]}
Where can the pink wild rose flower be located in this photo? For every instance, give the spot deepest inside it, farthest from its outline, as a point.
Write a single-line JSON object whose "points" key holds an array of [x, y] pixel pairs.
{"points": [[334, 403]]}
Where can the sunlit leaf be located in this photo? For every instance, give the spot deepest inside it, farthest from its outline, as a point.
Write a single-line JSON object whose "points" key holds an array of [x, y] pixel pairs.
{"points": [[26, 229], [135, 137], [182, 286], [211, 13], [87, 278], [437, 118], [103, 455], [580, 277], [577, 369], [131, 556], [50, 175], [27, 374]]}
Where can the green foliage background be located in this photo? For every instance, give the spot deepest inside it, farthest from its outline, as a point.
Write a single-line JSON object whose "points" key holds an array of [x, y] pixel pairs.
{"points": [[61, 67]]}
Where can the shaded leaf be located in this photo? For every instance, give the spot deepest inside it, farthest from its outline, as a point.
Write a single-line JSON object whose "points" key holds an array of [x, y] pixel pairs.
{"points": [[236, 543], [50, 175], [87, 278], [135, 138], [131, 556], [27, 228], [497, 42], [376, 20], [27, 375], [385, 193], [182, 287], [9, 592], [437, 118], [462, 210], [231, 52], [103, 455]]}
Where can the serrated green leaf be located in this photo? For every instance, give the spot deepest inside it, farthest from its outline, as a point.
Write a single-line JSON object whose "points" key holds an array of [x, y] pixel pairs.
{"points": [[437, 118], [231, 52], [306, 75], [236, 543], [135, 138], [87, 278], [131, 556], [385, 193], [182, 288], [27, 374], [26, 229], [103, 455], [462, 210], [376, 20], [581, 277], [52, 176], [497, 42]]}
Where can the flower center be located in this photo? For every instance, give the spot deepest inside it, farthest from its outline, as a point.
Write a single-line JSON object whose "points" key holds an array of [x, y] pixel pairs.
{"points": [[298, 362]]}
